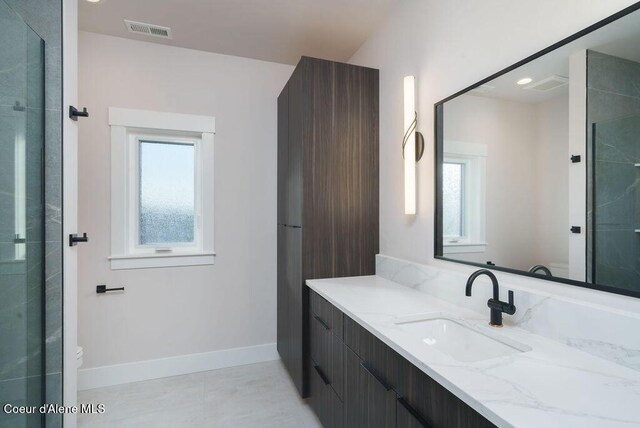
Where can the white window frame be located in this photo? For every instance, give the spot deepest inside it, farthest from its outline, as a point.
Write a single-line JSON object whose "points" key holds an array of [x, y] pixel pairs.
{"points": [[128, 128], [473, 157]]}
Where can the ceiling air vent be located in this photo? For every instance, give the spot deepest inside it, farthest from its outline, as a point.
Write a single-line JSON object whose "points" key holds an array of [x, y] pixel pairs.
{"points": [[547, 84], [148, 29]]}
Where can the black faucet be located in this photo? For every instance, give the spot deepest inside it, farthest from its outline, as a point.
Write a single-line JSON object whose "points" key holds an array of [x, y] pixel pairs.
{"points": [[543, 268], [497, 307]]}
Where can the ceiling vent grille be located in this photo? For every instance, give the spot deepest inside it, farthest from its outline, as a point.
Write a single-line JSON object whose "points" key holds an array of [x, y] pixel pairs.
{"points": [[547, 84], [148, 29]]}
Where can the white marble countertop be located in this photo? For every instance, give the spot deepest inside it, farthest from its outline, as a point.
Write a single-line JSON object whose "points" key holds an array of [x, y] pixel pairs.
{"points": [[553, 385]]}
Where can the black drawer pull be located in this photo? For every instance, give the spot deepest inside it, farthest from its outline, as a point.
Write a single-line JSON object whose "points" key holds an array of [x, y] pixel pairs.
{"points": [[322, 323], [413, 412], [322, 375], [384, 384]]}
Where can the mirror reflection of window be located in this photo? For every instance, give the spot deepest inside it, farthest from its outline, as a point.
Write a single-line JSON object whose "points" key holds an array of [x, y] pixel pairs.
{"points": [[453, 200], [463, 197]]}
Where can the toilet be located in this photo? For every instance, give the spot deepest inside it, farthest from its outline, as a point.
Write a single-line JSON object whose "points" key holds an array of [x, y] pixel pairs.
{"points": [[79, 354]]}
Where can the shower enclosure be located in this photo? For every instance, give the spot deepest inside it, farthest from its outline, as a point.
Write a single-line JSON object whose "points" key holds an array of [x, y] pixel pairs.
{"points": [[22, 233], [613, 170], [616, 203]]}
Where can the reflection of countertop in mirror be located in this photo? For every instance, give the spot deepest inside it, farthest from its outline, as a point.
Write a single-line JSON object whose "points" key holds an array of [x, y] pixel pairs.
{"points": [[551, 385]]}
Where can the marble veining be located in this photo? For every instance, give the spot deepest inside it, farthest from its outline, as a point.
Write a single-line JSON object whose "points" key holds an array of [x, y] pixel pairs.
{"points": [[601, 331], [551, 385]]}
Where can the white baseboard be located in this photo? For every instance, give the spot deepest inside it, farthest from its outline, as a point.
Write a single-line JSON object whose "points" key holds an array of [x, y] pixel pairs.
{"points": [[98, 377]]}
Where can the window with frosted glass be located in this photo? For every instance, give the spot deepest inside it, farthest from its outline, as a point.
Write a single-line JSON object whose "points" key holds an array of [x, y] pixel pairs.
{"points": [[453, 199], [166, 193]]}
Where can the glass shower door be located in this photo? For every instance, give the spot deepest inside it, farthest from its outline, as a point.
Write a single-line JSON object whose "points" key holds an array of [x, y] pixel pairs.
{"points": [[22, 352], [616, 203]]}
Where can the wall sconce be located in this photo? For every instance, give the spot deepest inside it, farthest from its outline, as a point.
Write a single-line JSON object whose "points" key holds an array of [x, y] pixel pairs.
{"points": [[412, 145]]}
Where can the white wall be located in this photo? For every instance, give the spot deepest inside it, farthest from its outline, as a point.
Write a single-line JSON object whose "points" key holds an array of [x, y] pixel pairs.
{"points": [[578, 171], [174, 311], [449, 46], [527, 170], [508, 130], [552, 182]]}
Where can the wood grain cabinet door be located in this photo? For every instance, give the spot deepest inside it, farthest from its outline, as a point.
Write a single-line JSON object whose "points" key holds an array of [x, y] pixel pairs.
{"points": [[283, 154], [290, 304], [368, 401], [324, 401], [296, 117], [283, 298], [408, 417], [433, 405]]}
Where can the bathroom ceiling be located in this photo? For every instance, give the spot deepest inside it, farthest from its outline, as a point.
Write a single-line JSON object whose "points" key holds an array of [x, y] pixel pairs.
{"points": [[271, 30], [618, 39]]}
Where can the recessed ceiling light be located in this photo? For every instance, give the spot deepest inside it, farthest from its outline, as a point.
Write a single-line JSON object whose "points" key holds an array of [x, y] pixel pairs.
{"points": [[525, 81], [93, 1]]}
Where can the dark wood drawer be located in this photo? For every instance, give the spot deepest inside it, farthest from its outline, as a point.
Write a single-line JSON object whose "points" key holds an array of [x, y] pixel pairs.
{"points": [[380, 358], [328, 314], [324, 400], [368, 401], [432, 403], [327, 352], [408, 417]]}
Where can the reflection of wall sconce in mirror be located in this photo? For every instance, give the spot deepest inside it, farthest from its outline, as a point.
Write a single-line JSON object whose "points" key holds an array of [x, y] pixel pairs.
{"points": [[412, 145]]}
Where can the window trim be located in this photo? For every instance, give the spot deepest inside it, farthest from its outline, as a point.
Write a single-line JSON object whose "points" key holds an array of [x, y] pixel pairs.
{"points": [[128, 127], [473, 156]]}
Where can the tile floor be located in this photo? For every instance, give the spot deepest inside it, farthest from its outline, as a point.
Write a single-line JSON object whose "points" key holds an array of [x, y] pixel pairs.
{"points": [[256, 395]]}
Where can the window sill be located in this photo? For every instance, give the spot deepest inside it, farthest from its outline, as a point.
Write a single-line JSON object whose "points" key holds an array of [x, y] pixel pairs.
{"points": [[465, 247], [146, 261]]}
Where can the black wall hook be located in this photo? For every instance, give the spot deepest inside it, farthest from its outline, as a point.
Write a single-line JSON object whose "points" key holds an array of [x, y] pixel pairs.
{"points": [[74, 239], [74, 113]]}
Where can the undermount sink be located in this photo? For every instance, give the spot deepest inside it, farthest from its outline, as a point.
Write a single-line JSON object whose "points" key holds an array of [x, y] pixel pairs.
{"points": [[460, 341]]}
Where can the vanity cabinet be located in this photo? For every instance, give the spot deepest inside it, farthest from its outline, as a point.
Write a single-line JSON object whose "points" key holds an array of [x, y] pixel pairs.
{"points": [[327, 199], [375, 386], [369, 400], [326, 359], [327, 347]]}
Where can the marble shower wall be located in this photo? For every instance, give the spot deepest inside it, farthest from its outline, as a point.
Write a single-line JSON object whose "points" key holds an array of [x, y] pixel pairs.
{"points": [[613, 112], [598, 330], [45, 18]]}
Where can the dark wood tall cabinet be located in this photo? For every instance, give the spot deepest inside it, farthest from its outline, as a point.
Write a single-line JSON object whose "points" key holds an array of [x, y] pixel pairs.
{"points": [[328, 161]]}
